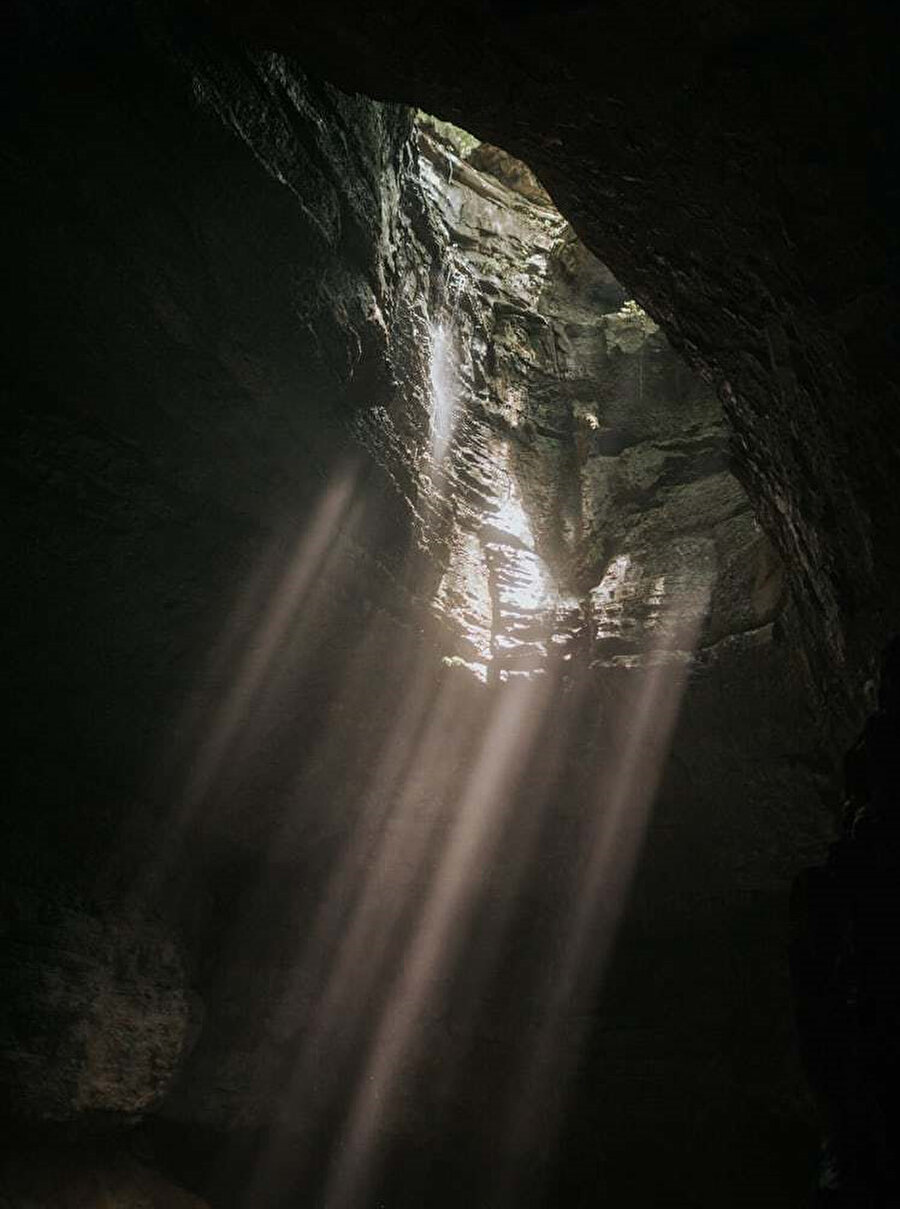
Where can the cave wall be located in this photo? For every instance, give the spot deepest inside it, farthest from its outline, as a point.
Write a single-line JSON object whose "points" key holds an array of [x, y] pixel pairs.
{"points": [[588, 478], [735, 167], [201, 266], [145, 297]]}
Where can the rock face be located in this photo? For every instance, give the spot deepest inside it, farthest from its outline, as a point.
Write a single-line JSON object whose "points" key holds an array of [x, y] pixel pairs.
{"points": [[41, 1178], [96, 1013], [736, 169], [584, 472], [307, 407]]}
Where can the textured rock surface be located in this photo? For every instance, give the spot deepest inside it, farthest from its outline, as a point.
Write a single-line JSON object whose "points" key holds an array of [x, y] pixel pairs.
{"points": [[735, 166], [585, 469], [95, 1016]]}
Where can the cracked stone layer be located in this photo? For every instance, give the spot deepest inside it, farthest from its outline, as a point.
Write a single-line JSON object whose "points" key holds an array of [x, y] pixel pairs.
{"points": [[581, 473]]}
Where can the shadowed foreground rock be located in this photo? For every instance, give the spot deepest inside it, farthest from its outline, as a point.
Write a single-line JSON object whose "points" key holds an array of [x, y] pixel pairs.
{"points": [[40, 1179], [98, 1010]]}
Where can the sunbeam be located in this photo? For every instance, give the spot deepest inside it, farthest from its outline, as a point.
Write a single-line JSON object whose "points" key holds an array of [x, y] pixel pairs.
{"points": [[477, 834], [475, 828], [304, 572], [626, 785]]}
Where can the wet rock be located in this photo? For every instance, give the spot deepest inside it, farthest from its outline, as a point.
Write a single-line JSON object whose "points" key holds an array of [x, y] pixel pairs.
{"points": [[578, 437]]}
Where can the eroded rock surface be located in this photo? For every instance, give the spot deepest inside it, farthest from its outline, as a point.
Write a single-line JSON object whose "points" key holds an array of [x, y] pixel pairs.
{"points": [[60, 1178], [585, 469]]}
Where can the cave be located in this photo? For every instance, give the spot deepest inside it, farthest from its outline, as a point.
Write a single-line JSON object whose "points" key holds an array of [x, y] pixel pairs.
{"points": [[451, 466]]}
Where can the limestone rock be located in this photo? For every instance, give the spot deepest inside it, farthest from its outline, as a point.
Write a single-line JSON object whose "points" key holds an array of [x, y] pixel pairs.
{"points": [[577, 438]]}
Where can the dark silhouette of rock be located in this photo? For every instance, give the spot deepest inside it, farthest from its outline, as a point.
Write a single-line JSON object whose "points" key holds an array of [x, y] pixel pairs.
{"points": [[846, 968], [96, 1012]]}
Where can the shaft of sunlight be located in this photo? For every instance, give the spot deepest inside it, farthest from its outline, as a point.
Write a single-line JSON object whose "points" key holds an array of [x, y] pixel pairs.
{"points": [[626, 788], [475, 828]]}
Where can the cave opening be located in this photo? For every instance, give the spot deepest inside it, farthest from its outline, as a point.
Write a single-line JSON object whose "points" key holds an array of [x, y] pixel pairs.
{"points": [[581, 432], [418, 726]]}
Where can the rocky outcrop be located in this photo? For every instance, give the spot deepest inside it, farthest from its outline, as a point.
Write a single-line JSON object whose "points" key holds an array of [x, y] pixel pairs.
{"points": [[586, 470]]}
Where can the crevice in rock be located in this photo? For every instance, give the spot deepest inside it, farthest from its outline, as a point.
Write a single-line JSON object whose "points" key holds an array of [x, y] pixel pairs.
{"points": [[580, 437]]}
